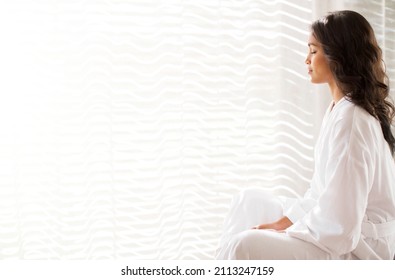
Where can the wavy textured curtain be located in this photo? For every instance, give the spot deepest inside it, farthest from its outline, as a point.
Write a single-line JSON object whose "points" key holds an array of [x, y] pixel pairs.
{"points": [[126, 126]]}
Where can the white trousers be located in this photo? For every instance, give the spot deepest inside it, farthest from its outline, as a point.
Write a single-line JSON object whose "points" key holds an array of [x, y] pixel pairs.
{"points": [[252, 207]]}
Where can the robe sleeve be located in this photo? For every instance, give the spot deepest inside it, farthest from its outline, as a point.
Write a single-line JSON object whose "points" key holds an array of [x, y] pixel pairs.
{"points": [[334, 223], [297, 208]]}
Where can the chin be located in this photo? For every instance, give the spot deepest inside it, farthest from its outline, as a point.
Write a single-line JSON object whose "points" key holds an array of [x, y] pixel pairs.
{"points": [[316, 81]]}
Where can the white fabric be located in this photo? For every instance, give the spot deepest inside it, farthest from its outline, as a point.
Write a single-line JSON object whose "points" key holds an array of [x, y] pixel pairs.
{"points": [[252, 207], [349, 210]]}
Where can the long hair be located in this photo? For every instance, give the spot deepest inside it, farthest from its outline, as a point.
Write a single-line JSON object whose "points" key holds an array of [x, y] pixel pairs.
{"points": [[356, 62]]}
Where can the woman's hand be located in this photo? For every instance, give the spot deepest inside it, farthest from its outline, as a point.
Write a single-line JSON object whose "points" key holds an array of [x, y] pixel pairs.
{"points": [[279, 225]]}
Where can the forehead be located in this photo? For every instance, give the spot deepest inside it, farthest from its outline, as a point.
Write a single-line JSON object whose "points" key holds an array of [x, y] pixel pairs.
{"points": [[313, 41]]}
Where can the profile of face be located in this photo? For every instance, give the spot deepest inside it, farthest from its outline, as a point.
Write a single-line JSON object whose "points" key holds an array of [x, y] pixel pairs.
{"points": [[317, 63]]}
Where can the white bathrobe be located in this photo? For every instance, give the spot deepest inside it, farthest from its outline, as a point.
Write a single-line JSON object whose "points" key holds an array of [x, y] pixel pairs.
{"points": [[347, 213]]}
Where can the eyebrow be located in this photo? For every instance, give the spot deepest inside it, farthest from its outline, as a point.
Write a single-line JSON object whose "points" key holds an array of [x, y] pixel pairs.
{"points": [[312, 44]]}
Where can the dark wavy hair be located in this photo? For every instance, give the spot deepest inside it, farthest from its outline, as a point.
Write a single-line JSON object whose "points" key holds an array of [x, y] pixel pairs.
{"points": [[356, 62]]}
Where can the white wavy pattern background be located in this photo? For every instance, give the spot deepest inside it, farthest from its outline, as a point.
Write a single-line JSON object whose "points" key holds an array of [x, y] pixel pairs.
{"points": [[127, 126]]}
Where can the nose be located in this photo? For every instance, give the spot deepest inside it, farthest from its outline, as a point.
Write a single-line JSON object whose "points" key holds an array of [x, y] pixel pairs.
{"points": [[307, 60]]}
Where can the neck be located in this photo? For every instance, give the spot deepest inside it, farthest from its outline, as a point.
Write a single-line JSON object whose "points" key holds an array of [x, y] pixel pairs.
{"points": [[337, 94]]}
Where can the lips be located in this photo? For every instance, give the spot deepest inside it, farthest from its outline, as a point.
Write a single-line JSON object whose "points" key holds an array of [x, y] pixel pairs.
{"points": [[309, 71]]}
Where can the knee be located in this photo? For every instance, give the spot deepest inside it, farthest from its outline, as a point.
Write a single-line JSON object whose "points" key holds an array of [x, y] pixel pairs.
{"points": [[255, 196], [242, 245]]}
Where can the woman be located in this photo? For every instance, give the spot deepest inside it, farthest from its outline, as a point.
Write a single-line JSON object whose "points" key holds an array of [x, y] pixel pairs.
{"points": [[349, 210]]}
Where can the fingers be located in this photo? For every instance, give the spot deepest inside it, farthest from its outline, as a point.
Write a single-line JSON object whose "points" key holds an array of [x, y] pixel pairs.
{"points": [[259, 227], [263, 226], [266, 227]]}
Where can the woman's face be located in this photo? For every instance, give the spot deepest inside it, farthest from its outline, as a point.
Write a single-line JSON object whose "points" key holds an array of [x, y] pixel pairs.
{"points": [[317, 64]]}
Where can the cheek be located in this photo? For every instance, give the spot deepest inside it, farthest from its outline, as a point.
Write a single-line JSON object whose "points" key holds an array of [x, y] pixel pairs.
{"points": [[322, 64]]}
